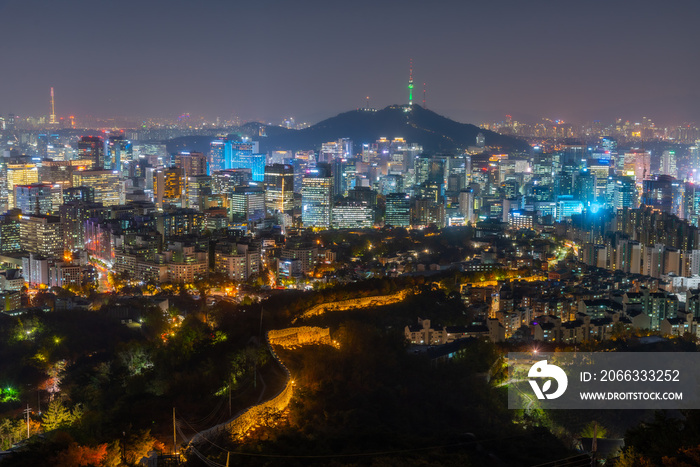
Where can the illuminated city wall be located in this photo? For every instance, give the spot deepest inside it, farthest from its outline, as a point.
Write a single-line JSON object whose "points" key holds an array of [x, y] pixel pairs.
{"points": [[364, 302]]}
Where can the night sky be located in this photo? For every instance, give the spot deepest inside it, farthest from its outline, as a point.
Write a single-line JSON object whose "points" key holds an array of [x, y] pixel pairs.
{"points": [[311, 59]]}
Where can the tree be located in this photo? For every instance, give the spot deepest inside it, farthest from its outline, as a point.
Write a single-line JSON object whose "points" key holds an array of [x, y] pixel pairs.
{"points": [[137, 445], [56, 416], [588, 431], [80, 456]]}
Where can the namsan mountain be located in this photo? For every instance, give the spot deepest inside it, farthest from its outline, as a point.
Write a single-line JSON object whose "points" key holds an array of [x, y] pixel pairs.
{"points": [[415, 124]]}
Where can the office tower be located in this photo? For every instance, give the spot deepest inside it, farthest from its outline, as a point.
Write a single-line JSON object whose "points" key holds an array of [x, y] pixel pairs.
{"points": [[663, 193], [79, 193], [568, 207], [316, 197], [467, 197], [637, 165], [425, 212], [10, 232], [279, 188], [299, 172], [73, 215], [191, 163], [344, 171], [480, 140], [197, 188], [352, 215], [391, 184], [117, 150], [430, 169], [585, 187], [623, 192], [601, 169], [668, 164], [333, 150], [691, 203], [510, 189], [108, 188], [279, 157], [247, 204], [217, 159], [57, 173], [398, 210], [609, 144], [34, 199], [224, 181], [695, 159], [178, 222], [168, 185], [363, 194], [41, 235], [242, 155], [19, 174], [92, 148]]}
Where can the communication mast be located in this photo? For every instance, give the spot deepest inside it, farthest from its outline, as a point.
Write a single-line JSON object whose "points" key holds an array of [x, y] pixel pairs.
{"points": [[410, 83]]}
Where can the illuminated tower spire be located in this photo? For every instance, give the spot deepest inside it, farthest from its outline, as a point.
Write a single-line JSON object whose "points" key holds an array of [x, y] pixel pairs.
{"points": [[52, 117], [410, 83]]}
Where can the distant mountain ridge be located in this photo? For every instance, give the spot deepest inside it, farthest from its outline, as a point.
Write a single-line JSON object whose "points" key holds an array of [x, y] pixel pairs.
{"points": [[434, 132], [415, 124]]}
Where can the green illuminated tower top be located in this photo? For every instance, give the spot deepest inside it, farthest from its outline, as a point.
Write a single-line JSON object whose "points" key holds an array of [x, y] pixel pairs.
{"points": [[410, 83]]}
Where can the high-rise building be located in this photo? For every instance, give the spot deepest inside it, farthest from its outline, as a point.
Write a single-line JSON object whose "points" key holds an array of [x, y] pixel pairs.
{"points": [[668, 164], [398, 210], [247, 204], [108, 188], [217, 159], [19, 174], [467, 197], [197, 188], [243, 155], [363, 194], [92, 148], [663, 193], [279, 188], [34, 199], [42, 235], [73, 215], [637, 165], [224, 181], [10, 232], [333, 150], [316, 197], [191, 163], [352, 215], [168, 185], [623, 192], [117, 150], [79, 193]]}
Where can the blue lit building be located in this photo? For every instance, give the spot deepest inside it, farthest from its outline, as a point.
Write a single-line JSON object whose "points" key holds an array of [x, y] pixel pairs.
{"points": [[216, 156], [567, 207], [241, 155]]}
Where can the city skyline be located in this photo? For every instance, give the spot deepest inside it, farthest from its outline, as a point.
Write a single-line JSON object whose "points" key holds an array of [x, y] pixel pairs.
{"points": [[265, 60]]}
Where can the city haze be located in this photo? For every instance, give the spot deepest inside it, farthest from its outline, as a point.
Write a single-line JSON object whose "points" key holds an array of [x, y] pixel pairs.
{"points": [[267, 60]]}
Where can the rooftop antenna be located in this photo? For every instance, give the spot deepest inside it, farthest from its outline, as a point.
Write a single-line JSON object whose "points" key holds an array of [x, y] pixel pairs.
{"points": [[410, 83], [424, 96], [52, 117], [367, 106]]}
